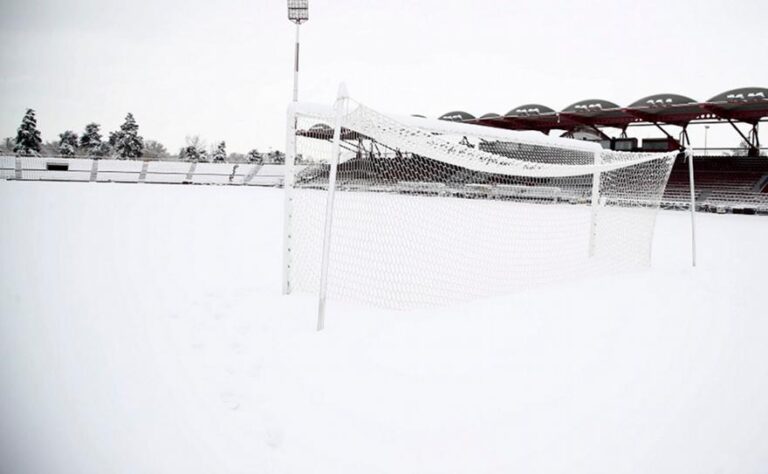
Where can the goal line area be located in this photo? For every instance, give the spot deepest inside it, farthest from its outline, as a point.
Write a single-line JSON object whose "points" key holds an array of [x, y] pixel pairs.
{"points": [[406, 212]]}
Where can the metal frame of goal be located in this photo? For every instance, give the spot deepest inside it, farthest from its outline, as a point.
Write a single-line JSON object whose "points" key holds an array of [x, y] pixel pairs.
{"points": [[404, 212]]}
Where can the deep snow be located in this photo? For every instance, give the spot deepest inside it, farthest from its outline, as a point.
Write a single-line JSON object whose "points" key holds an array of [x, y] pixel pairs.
{"points": [[142, 330]]}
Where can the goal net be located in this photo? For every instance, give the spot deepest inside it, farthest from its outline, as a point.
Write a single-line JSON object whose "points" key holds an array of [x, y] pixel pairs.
{"points": [[428, 212]]}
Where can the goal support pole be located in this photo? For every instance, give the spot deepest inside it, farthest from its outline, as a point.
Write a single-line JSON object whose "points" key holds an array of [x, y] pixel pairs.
{"points": [[288, 178], [595, 204], [334, 165], [689, 155]]}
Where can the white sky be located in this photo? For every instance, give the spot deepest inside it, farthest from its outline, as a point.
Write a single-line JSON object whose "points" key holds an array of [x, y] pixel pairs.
{"points": [[223, 69]]}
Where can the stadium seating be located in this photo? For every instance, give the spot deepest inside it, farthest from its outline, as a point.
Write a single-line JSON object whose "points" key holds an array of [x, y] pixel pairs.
{"points": [[723, 184]]}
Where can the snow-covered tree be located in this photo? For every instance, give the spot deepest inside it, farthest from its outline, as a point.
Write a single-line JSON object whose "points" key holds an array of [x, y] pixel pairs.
{"points": [[195, 149], [127, 143], [275, 157], [192, 153], [255, 157], [105, 149], [67, 143], [90, 140], [28, 139], [188, 153], [219, 155]]}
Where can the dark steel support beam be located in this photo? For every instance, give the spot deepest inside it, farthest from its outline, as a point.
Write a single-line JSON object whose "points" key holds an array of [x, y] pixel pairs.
{"points": [[755, 136], [602, 134], [623, 133], [663, 131], [739, 132]]}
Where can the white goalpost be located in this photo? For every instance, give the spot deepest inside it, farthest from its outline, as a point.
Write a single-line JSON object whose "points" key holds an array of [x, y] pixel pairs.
{"points": [[406, 212], [339, 110]]}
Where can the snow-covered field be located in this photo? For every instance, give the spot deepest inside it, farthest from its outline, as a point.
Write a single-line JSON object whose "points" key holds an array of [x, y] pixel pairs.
{"points": [[142, 330]]}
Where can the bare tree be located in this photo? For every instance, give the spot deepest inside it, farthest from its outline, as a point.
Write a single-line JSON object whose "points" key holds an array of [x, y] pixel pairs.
{"points": [[154, 150]]}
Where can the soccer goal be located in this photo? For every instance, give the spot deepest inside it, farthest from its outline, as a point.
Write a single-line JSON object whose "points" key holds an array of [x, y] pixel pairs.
{"points": [[406, 212]]}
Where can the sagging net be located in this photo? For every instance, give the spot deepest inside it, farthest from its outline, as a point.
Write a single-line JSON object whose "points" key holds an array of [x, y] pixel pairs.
{"points": [[429, 212]]}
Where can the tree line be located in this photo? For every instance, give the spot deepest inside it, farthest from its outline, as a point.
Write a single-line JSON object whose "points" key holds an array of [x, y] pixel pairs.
{"points": [[123, 144]]}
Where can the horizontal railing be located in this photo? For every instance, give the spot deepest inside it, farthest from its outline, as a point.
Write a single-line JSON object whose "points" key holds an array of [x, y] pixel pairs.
{"points": [[128, 171]]}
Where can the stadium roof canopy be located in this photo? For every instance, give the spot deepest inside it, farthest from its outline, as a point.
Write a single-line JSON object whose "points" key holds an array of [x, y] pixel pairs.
{"points": [[529, 110], [325, 132], [457, 116], [748, 104]]}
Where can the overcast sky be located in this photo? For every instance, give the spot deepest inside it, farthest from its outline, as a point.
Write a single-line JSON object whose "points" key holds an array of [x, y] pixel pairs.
{"points": [[223, 69]]}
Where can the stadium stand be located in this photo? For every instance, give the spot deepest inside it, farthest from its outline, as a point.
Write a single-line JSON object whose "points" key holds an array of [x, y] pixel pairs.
{"points": [[723, 184]]}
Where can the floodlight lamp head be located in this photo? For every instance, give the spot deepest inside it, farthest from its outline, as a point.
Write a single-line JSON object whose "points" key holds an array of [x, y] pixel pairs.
{"points": [[298, 11]]}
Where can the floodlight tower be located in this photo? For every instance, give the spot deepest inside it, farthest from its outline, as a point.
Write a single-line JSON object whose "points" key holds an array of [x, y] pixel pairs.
{"points": [[298, 12]]}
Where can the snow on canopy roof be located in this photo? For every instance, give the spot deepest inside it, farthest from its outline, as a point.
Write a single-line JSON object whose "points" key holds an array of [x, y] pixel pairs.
{"points": [[747, 104], [590, 106], [320, 127], [668, 108], [744, 94], [661, 100], [527, 110], [457, 116], [324, 131]]}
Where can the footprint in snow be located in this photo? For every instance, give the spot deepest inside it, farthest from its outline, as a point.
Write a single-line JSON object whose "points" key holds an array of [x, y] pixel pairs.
{"points": [[230, 400], [274, 437]]}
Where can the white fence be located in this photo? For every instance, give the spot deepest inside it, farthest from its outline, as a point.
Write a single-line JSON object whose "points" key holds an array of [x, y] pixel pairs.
{"points": [[122, 171]]}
